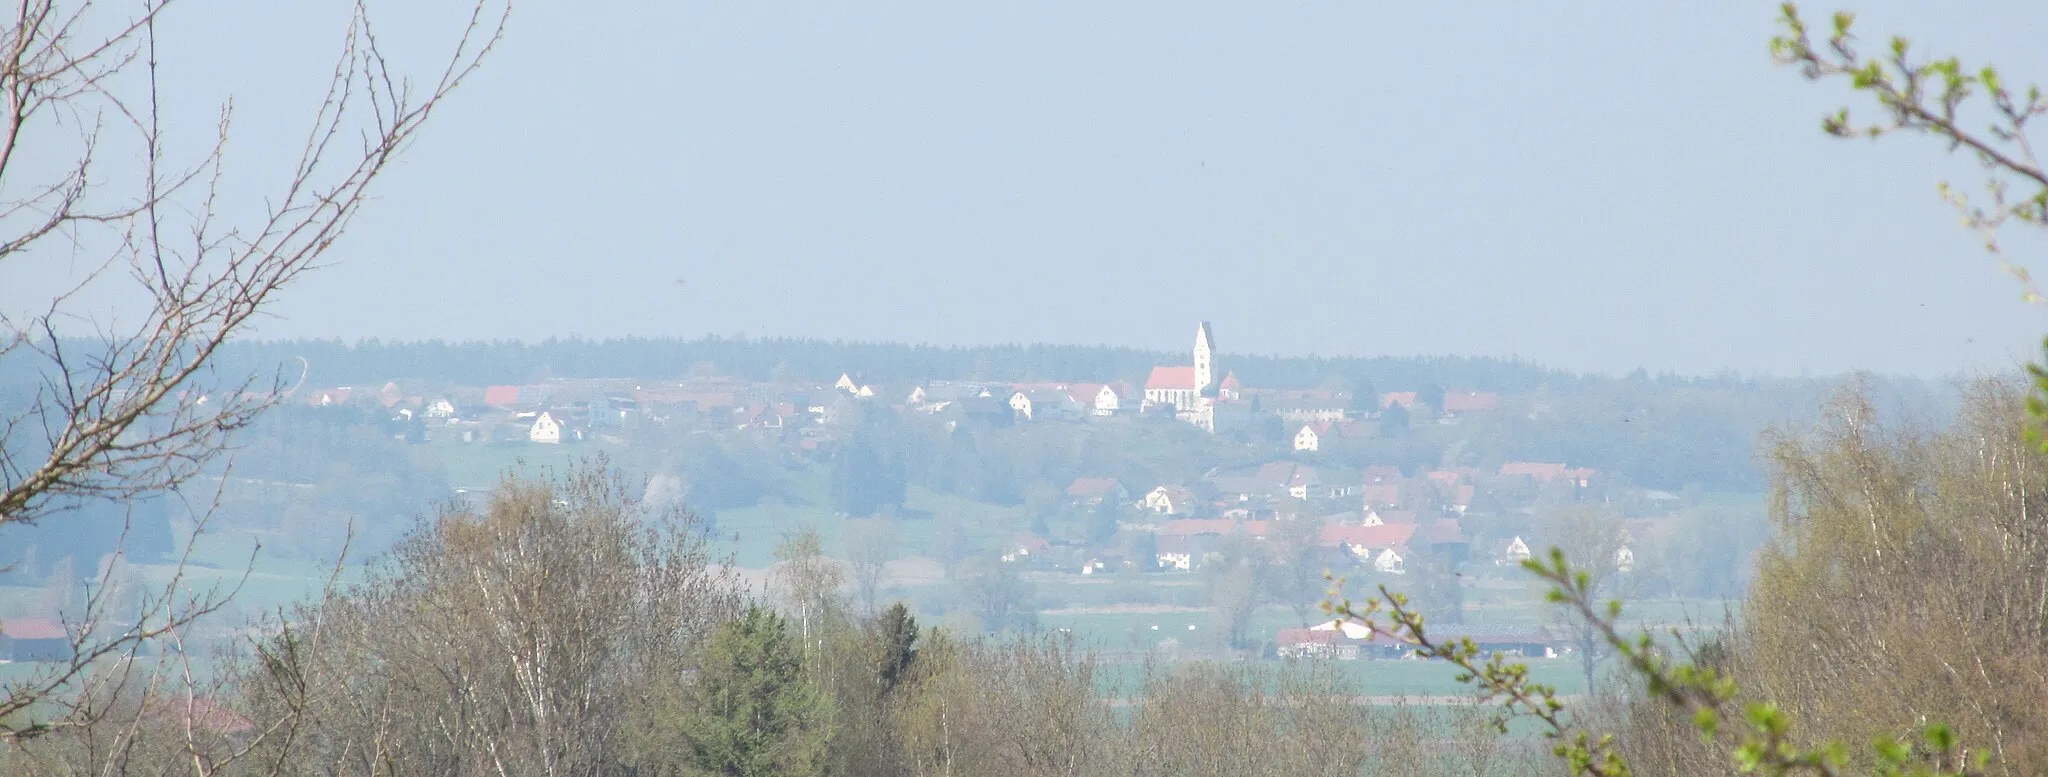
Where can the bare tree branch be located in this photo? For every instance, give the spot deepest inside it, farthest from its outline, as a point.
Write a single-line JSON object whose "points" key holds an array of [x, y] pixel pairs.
{"points": [[126, 408]]}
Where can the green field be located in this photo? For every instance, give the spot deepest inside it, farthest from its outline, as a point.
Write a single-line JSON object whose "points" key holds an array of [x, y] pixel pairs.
{"points": [[481, 465]]}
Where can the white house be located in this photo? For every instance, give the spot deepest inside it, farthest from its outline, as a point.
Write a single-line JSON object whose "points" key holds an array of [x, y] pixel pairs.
{"points": [[1170, 500], [546, 429], [1024, 546], [1021, 403], [1624, 559], [1044, 405], [1390, 562], [1097, 399], [1514, 553], [1352, 629], [441, 408], [1303, 482], [1177, 552], [1307, 439]]}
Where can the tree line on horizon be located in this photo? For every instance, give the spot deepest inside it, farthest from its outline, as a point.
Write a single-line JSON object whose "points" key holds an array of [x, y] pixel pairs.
{"points": [[812, 360]]}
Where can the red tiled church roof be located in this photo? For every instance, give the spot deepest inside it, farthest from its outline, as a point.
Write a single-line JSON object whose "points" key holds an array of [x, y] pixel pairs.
{"points": [[1171, 378]]}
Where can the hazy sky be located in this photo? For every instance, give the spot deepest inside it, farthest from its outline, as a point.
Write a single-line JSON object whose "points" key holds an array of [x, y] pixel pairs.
{"points": [[1593, 186]]}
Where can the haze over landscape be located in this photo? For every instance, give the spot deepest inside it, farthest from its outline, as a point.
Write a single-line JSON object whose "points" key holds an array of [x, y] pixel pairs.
{"points": [[959, 390], [1593, 188]]}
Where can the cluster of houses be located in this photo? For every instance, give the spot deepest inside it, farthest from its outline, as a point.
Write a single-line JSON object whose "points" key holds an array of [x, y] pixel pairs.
{"points": [[1195, 394], [1347, 640], [1383, 519], [569, 411]]}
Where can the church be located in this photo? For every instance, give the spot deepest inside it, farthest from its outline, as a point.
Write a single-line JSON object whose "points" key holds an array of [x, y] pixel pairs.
{"points": [[1192, 390]]}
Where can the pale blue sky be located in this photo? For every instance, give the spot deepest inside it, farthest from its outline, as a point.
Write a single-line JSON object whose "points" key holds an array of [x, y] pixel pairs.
{"points": [[1595, 186]]}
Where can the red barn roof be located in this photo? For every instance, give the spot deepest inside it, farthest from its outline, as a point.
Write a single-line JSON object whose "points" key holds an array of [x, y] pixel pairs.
{"points": [[1382, 536], [501, 396], [32, 628]]}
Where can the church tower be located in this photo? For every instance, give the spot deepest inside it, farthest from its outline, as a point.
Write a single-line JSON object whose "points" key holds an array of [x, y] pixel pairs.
{"points": [[1205, 370]]}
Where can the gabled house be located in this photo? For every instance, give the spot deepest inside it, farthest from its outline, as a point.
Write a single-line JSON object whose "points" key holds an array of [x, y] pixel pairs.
{"points": [[1021, 404], [1044, 405], [1169, 500], [1310, 438], [1510, 552], [1023, 546], [1096, 399], [1391, 561], [1364, 543], [551, 428], [1089, 492]]}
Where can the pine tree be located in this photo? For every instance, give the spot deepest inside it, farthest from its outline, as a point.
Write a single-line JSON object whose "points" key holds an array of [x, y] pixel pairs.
{"points": [[896, 629], [753, 711], [1432, 395]]}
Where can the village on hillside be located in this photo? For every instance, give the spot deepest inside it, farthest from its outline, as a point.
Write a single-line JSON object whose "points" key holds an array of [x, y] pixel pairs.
{"points": [[1297, 491]]}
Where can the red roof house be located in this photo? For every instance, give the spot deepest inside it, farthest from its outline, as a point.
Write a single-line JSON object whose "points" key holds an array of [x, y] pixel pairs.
{"points": [[501, 396]]}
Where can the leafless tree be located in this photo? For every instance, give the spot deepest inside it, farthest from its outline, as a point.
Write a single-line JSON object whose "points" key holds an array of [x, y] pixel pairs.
{"points": [[1592, 540], [122, 409], [806, 579], [539, 636], [1300, 575], [870, 544]]}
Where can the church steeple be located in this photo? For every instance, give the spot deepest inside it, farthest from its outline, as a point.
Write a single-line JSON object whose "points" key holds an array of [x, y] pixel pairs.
{"points": [[1205, 350]]}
